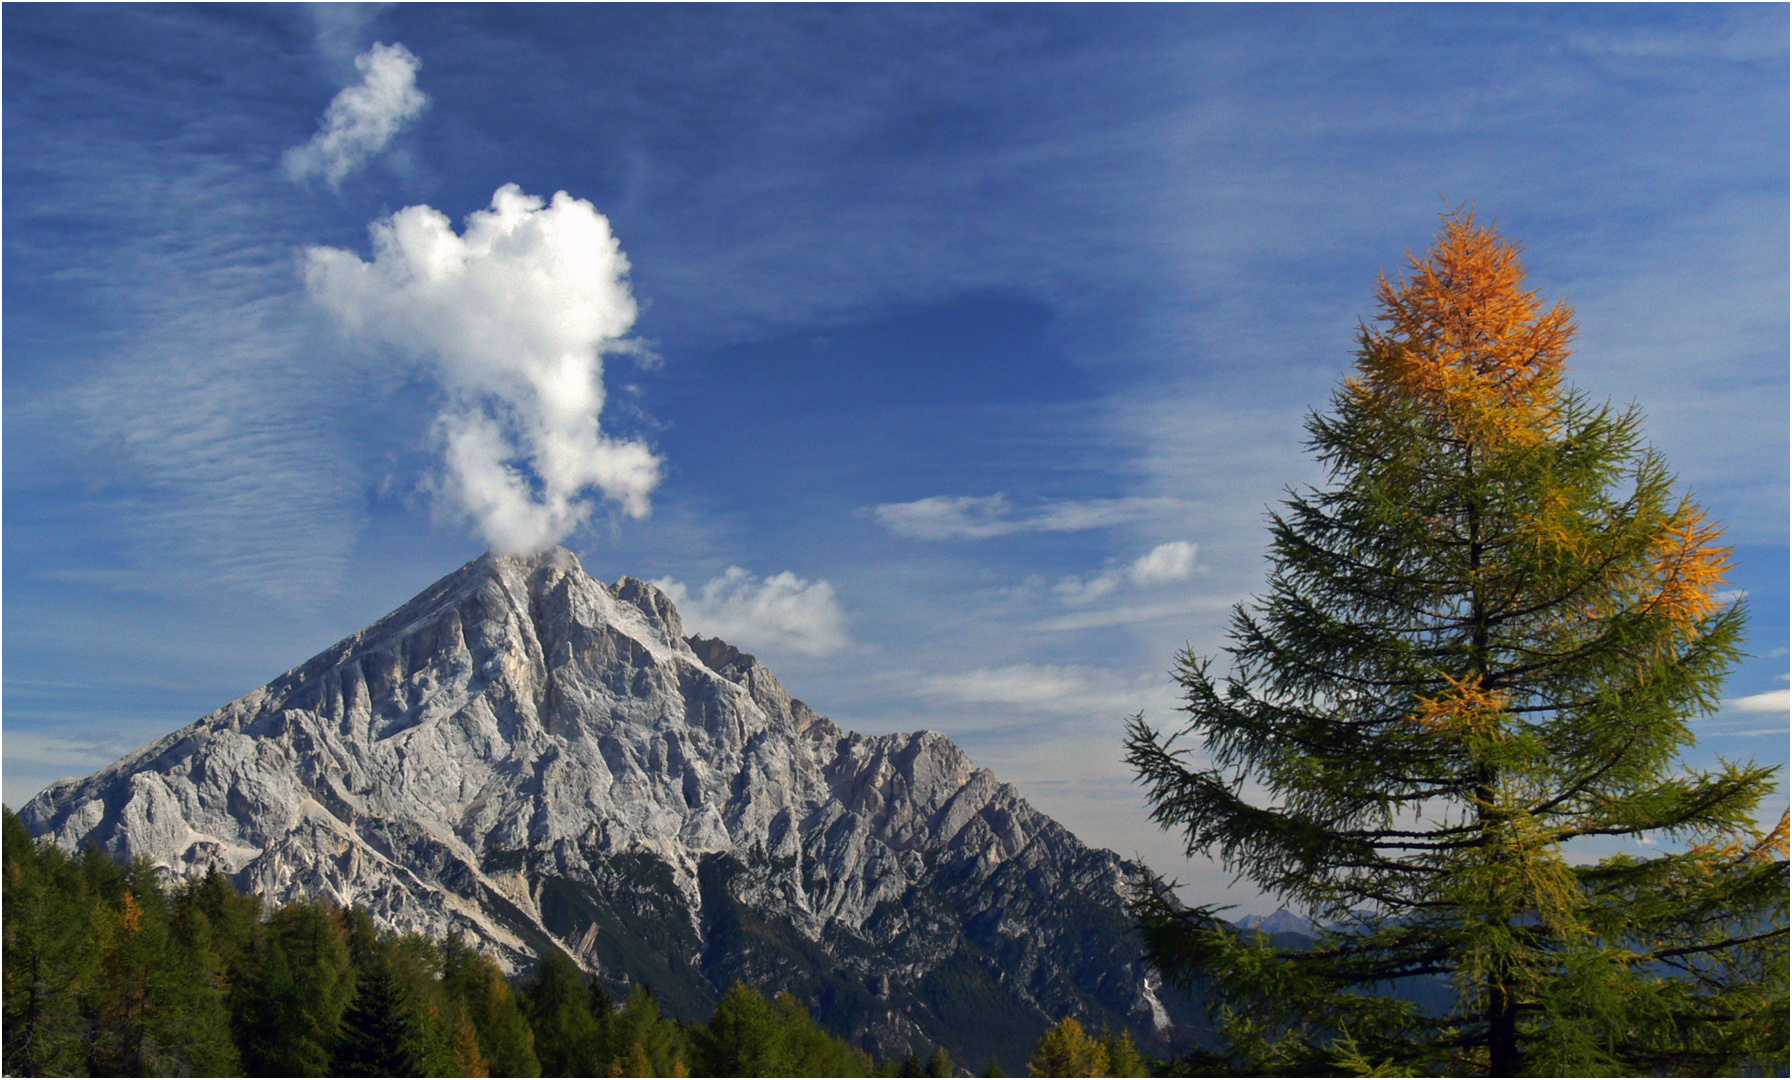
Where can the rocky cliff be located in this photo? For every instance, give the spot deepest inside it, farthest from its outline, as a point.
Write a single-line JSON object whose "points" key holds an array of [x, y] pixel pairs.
{"points": [[538, 760]]}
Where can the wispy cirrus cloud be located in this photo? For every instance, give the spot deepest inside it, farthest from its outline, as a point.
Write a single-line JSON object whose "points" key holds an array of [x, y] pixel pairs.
{"points": [[203, 435], [1178, 611], [361, 120], [1054, 689], [980, 517], [1773, 701]]}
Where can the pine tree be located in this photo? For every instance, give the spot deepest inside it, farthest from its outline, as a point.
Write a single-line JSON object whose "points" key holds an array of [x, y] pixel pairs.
{"points": [[303, 981], [156, 1006], [640, 1036], [478, 985], [1473, 669], [379, 1035], [49, 958], [210, 916], [567, 1036], [746, 1037]]}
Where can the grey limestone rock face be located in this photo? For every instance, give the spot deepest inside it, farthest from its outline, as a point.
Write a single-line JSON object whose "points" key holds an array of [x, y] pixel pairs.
{"points": [[535, 759]]}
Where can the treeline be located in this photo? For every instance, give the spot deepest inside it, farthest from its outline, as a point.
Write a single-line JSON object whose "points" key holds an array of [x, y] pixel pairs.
{"points": [[109, 972]]}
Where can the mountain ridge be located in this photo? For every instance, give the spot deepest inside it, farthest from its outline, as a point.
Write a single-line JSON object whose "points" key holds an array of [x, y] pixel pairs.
{"points": [[534, 759]]}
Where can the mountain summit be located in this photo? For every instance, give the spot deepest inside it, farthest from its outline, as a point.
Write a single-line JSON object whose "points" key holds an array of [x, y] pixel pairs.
{"points": [[537, 760]]}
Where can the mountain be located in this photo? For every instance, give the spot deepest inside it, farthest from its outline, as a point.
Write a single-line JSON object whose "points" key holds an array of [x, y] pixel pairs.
{"points": [[537, 760], [1282, 921]]}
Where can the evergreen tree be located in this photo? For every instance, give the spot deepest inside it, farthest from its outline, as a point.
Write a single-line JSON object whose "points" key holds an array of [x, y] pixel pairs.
{"points": [[156, 1007], [1481, 642], [811, 1049], [750, 1036], [303, 981], [379, 1034], [638, 1039], [483, 994], [745, 1037], [558, 1004], [211, 917], [233, 919], [1066, 1050], [49, 959], [466, 1058], [940, 1064], [400, 1022]]}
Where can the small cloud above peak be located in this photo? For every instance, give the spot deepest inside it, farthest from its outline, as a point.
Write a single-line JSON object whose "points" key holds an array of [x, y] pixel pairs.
{"points": [[513, 316], [362, 119], [778, 610]]}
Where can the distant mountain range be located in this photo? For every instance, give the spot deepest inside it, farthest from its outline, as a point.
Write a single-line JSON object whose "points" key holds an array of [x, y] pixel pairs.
{"points": [[538, 760], [1282, 921]]}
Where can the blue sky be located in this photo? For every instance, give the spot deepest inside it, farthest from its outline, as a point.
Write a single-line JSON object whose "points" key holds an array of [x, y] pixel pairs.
{"points": [[962, 349]]}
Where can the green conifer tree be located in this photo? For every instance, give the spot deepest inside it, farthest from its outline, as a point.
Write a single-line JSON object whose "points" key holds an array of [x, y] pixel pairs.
{"points": [[478, 985], [49, 959], [745, 1037], [558, 1004], [810, 1050], [229, 921], [1468, 683], [639, 1039], [156, 1006], [304, 979], [379, 1035]]}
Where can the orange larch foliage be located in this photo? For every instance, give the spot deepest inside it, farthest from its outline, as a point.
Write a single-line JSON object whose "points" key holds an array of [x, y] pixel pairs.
{"points": [[1689, 565], [1465, 709], [1466, 341]]}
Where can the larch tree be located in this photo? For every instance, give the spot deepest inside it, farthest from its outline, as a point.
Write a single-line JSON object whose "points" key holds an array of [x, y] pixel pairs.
{"points": [[1067, 1050], [1454, 730]]}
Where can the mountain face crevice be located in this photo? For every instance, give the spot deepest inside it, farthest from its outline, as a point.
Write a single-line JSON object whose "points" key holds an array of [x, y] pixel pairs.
{"points": [[536, 760]]}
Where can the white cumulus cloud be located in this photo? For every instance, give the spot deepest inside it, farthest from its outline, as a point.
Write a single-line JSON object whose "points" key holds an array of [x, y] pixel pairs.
{"points": [[1162, 565], [780, 610], [979, 517], [362, 119], [1165, 563], [515, 316]]}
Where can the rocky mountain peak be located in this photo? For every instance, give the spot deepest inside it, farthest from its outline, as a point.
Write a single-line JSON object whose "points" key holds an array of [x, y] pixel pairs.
{"points": [[654, 604], [538, 760], [745, 670]]}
